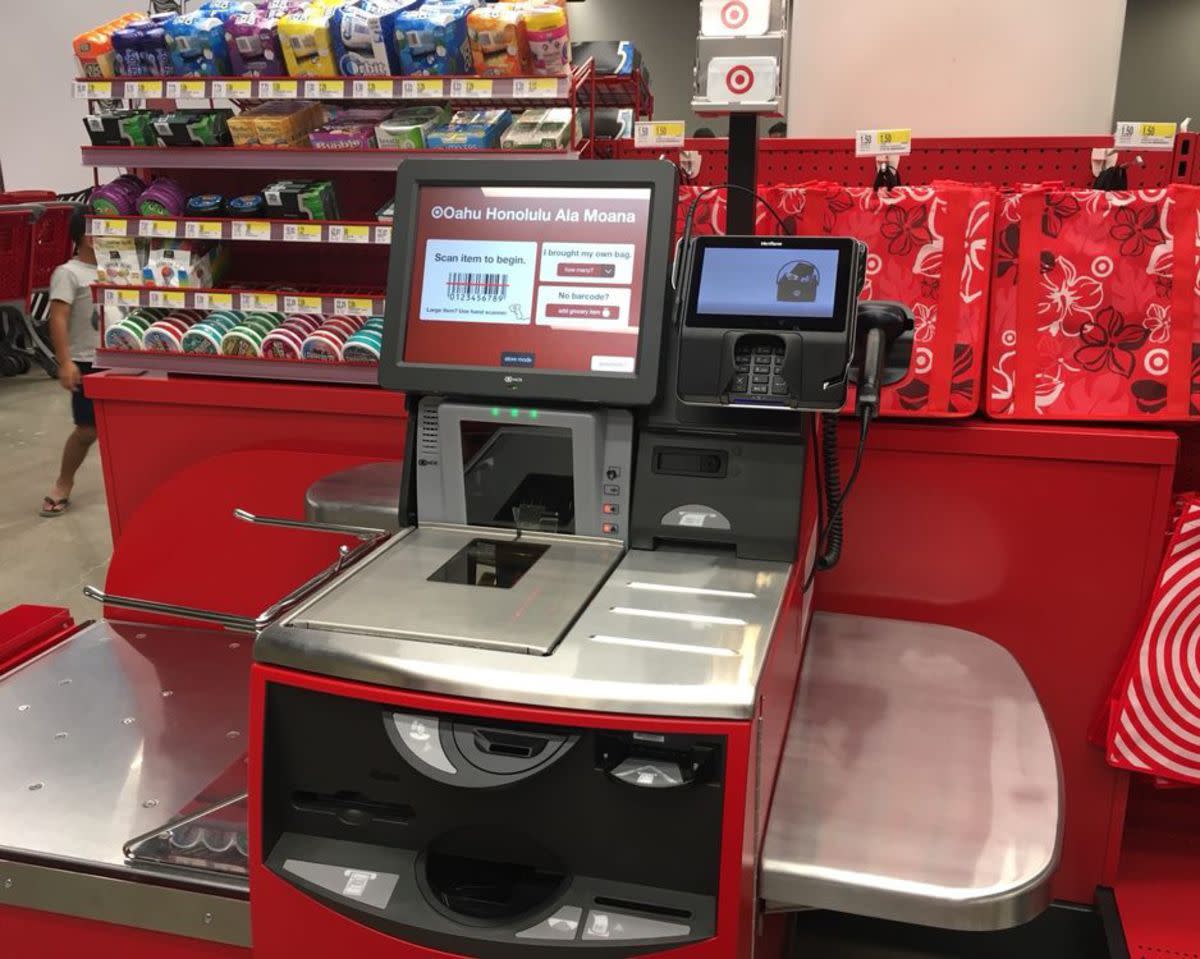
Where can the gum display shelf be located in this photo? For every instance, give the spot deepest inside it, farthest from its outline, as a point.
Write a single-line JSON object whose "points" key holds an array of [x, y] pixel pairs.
{"points": [[521, 91], [341, 232], [291, 158], [244, 367], [331, 303]]}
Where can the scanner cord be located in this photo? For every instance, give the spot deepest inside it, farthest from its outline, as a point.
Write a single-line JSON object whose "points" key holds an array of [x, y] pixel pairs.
{"points": [[835, 506], [689, 219], [832, 491]]}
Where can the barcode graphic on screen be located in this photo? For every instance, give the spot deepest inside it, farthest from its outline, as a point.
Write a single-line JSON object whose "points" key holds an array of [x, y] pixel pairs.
{"points": [[476, 287]]}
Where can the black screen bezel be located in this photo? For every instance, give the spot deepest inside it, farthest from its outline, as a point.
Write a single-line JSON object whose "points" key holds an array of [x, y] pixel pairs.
{"points": [[612, 389], [839, 323]]}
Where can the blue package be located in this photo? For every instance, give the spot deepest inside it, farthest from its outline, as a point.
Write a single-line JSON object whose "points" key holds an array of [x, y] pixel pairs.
{"points": [[197, 45], [364, 37], [224, 9], [433, 39]]}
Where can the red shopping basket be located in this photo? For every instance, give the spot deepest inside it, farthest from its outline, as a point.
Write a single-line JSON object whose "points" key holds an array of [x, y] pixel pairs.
{"points": [[51, 244]]}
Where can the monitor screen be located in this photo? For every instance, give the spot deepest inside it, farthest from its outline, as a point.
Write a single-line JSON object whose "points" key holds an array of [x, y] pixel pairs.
{"points": [[537, 278], [768, 282]]}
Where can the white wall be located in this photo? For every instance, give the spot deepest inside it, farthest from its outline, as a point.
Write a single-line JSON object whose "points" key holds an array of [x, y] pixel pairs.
{"points": [[41, 128], [955, 67]]}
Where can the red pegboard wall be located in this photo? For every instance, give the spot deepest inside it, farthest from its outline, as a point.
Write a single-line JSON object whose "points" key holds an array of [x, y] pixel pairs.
{"points": [[1000, 161]]}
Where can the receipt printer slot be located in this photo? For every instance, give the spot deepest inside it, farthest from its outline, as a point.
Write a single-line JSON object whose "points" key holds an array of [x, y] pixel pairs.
{"points": [[677, 461]]}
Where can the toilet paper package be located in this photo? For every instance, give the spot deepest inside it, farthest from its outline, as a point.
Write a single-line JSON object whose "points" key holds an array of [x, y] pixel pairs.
{"points": [[196, 42], [499, 44], [364, 37], [433, 39], [306, 37]]}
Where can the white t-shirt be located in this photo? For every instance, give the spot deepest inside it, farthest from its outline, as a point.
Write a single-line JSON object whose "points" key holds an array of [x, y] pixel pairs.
{"points": [[72, 283]]}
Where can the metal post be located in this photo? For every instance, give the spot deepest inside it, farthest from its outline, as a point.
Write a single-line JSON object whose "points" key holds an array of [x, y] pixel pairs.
{"points": [[743, 171]]}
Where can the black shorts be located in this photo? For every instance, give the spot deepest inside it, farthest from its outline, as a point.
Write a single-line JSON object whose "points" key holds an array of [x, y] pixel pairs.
{"points": [[82, 410]]}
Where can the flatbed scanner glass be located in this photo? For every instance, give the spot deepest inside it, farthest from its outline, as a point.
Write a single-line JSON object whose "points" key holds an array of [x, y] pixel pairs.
{"points": [[518, 476], [494, 563]]}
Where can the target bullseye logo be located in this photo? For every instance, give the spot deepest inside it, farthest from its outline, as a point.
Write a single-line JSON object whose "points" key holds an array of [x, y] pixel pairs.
{"points": [[734, 14], [739, 79]]}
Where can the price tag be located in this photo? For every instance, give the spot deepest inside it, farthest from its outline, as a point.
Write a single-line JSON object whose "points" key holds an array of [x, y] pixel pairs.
{"points": [[349, 234], [874, 143], [353, 306], [302, 232], [535, 87], [374, 89], [93, 90], [301, 304], [143, 90], [169, 299], [213, 301], [232, 89], [122, 298], [324, 89], [186, 90], [467, 88], [278, 89], [110, 227], [658, 133], [1133, 135], [423, 89], [160, 229], [203, 230], [383, 235], [258, 301], [250, 230]]}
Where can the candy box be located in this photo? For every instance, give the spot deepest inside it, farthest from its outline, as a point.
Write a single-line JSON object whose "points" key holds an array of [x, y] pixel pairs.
{"points": [[408, 127], [301, 200], [433, 39], [131, 128], [194, 128], [343, 135]]}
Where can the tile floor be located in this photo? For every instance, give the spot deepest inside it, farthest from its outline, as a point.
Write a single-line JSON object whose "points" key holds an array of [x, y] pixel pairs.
{"points": [[46, 560]]}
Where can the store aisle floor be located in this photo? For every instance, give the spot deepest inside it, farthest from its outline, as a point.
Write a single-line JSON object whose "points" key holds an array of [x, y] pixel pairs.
{"points": [[46, 560]]}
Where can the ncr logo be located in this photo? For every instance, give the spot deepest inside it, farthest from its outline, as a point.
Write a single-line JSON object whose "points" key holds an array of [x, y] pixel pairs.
{"points": [[514, 380]]}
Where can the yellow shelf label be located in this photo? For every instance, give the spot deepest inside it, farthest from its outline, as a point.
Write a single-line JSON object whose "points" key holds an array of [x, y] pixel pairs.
{"points": [[324, 89], [475, 89], [159, 229], [122, 297], [186, 90], [250, 230], [203, 230], [302, 232], [232, 89], [353, 306], [258, 301], [110, 227], [143, 90], [94, 90], [374, 89], [894, 142], [293, 303], [535, 87], [213, 301], [423, 89], [349, 234], [278, 89], [171, 299], [1139, 135], [661, 133]]}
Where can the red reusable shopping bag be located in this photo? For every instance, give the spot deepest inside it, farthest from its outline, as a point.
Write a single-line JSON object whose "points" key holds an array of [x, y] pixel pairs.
{"points": [[1094, 298], [1154, 712]]}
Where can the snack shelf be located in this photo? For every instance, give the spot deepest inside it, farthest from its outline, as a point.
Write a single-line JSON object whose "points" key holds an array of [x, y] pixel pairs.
{"points": [[292, 158], [526, 91], [247, 367], [343, 232], [247, 300]]}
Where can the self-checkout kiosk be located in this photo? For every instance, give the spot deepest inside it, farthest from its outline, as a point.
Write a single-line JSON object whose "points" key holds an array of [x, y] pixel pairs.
{"points": [[579, 704]]}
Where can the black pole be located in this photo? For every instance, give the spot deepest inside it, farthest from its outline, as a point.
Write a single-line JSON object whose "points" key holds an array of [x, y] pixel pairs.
{"points": [[743, 171]]}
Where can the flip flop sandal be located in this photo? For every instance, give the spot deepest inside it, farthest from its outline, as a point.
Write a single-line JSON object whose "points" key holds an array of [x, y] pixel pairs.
{"points": [[53, 507]]}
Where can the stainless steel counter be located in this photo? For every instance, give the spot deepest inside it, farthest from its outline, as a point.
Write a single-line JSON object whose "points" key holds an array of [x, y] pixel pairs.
{"points": [[666, 634], [106, 737], [920, 781]]}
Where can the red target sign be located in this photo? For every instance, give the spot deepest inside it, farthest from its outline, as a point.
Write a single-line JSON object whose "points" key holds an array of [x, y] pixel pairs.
{"points": [[734, 14], [739, 79]]}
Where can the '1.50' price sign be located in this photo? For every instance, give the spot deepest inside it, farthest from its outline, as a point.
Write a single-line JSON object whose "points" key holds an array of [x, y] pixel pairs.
{"points": [[660, 134], [1145, 136], [874, 143]]}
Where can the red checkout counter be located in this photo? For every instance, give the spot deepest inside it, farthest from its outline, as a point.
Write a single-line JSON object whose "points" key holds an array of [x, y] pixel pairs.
{"points": [[573, 696]]}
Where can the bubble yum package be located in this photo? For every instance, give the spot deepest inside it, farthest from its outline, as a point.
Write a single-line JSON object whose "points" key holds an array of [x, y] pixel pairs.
{"points": [[364, 37], [433, 39]]}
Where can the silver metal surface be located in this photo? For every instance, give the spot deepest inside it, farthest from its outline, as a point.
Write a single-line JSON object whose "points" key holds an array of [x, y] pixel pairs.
{"points": [[111, 733], [393, 597], [920, 781], [126, 902], [668, 634], [362, 532], [366, 495], [243, 624]]}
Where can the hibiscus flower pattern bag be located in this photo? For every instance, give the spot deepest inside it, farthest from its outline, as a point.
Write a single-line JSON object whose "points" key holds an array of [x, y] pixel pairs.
{"points": [[929, 247], [1094, 299]]}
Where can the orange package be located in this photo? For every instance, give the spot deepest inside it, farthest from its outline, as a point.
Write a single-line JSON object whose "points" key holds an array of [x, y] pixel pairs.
{"points": [[93, 50], [499, 41]]}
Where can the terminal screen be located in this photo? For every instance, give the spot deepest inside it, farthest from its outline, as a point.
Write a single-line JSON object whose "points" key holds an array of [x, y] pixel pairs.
{"points": [[787, 286], [538, 278]]}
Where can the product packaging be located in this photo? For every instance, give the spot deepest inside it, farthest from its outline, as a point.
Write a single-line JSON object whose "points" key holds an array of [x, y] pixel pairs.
{"points": [[540, 130], [549, 39], [276, 123], [119, 260], [254, 48], [306, 37], [301, 200], [94, 55], [196, 42], [407, 128], [130, 128], [433, 38], [470, 130], [343, 135], [499, 42], [364, 37], [140, 48], [184, 263], [200, 128], [609, 57]]}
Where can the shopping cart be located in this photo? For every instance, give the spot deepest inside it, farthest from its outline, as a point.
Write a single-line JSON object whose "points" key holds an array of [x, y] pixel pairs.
{"points": [[34, 240]]}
